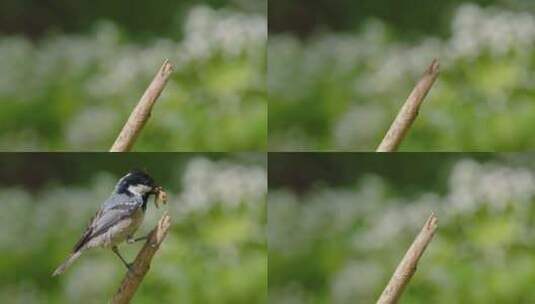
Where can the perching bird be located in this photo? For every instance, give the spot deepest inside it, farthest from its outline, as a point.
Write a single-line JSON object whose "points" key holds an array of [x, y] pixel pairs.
{"points": [[117, 219]]}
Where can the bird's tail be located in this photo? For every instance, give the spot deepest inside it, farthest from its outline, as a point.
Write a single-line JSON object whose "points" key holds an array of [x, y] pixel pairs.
{"points": [[67, 263]]}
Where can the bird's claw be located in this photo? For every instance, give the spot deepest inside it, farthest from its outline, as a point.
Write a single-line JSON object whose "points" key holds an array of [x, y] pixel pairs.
{"points": [[132, 240]]}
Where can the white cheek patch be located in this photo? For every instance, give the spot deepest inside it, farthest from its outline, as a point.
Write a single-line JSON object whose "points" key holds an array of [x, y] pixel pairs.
{"points": [[139, 189]]}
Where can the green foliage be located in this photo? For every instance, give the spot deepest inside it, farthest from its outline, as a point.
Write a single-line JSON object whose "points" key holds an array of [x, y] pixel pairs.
{"points": [[341, 91], [408, 20], [336, 244], [215, 252], [74, 92], [140, 20]]}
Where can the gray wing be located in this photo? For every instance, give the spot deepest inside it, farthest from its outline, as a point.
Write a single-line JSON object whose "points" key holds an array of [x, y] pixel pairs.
{"points": [[112, 212], [120, 199]]}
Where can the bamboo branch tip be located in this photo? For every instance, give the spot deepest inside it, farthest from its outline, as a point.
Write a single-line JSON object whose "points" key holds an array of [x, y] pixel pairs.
{"points": [[432, 222], [163, 227], [167, 68], [434, 67], [165, 221]]}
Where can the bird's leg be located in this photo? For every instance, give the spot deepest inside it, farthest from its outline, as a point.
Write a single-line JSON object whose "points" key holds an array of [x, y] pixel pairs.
{"points": [[142, 238], [131, 240], [116, 251]]}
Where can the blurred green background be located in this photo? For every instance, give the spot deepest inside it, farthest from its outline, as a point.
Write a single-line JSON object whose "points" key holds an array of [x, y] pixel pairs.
{"points": [[337, 231], [73, 71], [340, 70], [215, 252]]}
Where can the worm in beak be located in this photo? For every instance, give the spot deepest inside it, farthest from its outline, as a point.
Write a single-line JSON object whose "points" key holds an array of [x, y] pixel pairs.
{"points": [[160, 196]]}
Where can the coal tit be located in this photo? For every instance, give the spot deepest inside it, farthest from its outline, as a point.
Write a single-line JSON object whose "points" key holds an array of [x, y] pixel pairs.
{"points": [[118, 218]]}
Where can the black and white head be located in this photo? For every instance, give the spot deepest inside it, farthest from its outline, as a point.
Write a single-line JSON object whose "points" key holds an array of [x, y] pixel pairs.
{"points": [[137, 183]]}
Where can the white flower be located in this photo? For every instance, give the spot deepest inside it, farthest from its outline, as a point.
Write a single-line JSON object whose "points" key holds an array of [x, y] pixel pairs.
{"points": [[206, 182]]}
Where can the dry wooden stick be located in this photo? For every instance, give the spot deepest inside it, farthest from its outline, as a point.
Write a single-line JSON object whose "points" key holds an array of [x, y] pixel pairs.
{"points": [[407, 266], [142, 262], [124, 143], [141, 112], [409, 110]]}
